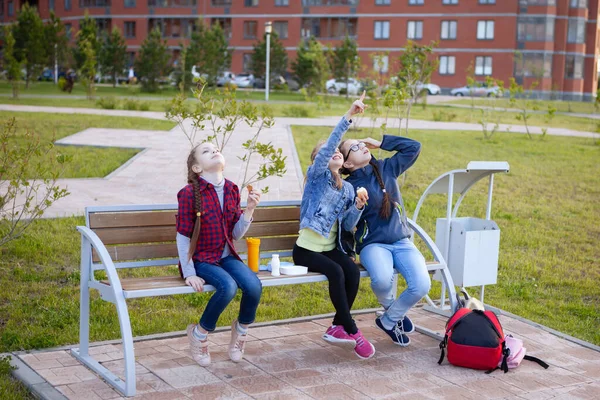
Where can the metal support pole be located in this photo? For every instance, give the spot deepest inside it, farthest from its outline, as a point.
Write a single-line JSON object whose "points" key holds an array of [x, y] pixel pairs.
{"points": [[55, 63], [268, 76], [488, 211]]}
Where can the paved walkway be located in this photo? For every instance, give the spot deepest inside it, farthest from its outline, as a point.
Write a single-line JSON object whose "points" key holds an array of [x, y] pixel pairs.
{"points": [[293, 362], [156, 174]]}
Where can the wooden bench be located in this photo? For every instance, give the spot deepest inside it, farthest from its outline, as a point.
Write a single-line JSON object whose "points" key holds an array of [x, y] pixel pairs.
{"points": [[123, 237]]}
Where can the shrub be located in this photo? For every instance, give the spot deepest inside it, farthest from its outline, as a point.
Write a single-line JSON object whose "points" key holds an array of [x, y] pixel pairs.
{"points": [[441, 115], [298, 112], [130, 104], [62, 83], [108, 103], [230, 86], [144, 106]]}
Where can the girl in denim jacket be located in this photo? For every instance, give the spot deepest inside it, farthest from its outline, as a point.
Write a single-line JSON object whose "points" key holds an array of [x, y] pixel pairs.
{"points": [[328, 206]]}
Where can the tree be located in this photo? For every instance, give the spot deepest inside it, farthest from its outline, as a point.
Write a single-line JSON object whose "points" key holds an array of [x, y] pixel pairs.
{"points": [[302, 66], [113, 55], [55, 40], [12, 65], [416, 67], [215, 55], [23, 198], [88, 31], [29, 41], [193, 53], [152, 61], [346, 61], [278, 57], [88, 69], [312, 66]]}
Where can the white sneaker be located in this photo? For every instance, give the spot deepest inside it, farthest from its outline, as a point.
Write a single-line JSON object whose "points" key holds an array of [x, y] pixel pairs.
{"points": [[237, 344], [198, 348]]}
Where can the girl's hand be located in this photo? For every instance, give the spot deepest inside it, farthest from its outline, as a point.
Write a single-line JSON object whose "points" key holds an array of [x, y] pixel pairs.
{"points": [[253, 200], [361, 199], [372, 143], [358, 106], [196, 282]]}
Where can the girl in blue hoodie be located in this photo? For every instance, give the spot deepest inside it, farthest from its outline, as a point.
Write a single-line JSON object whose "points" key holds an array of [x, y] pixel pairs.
{"points": [[382, 237], [328, 205]]}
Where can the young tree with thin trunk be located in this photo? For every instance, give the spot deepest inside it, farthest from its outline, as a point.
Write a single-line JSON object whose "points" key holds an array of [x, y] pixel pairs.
{"points": [[29, 41], [12, 65], [346, 62], [152, 61], [113, 55], [278, 57]]}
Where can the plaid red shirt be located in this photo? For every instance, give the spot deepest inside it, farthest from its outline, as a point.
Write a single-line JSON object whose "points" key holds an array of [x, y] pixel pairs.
{"points": [[216, 226]]}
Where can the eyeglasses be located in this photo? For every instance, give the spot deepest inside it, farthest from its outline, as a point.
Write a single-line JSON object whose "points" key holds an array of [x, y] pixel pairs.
{"points": [[355, 147]]}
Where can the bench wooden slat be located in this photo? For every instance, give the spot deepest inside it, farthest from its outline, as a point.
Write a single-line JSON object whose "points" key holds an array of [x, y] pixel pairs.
{"points": [[163, 282], [169, 250], [167, 218]]}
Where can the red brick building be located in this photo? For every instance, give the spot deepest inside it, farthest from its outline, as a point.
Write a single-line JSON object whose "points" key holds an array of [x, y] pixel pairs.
{"points": [[557, 40]]}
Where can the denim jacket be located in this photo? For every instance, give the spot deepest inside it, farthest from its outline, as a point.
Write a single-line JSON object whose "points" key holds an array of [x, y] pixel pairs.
{"points": [[322, 203]]}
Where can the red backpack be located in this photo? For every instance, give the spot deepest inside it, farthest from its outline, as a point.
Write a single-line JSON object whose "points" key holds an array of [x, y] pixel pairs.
{"points": [[474, 339]]}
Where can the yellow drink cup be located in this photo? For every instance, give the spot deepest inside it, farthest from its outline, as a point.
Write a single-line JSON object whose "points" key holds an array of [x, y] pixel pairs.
{"points": [[253, 253]]}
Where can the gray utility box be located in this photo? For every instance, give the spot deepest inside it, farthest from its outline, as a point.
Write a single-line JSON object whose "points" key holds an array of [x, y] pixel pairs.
{"points": [[474, 247]]}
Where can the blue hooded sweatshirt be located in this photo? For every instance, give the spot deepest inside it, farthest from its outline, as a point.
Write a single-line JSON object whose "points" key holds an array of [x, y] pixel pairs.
{"points": [[371, 227]]}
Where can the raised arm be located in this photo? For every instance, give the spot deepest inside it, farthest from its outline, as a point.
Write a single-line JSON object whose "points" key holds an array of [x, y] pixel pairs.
{"points": [[321, 161], [407, 151]]}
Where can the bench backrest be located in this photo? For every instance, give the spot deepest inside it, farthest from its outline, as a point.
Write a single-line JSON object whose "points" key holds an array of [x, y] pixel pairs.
{"points": [[143, 236]]}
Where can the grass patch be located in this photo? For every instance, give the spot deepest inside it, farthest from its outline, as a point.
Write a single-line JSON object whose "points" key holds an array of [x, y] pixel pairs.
{"points": [[10, 388], [561, 106], [88, 162], [547, 210]]}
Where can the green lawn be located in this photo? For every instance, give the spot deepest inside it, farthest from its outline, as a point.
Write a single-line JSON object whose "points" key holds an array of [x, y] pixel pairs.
{"points": [[88, 162], [10, 388], [339, 106], [561, 106], [547, 210]]}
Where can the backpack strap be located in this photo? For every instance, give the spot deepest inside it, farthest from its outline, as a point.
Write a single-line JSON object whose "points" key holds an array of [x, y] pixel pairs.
{"points": [[536, 360], [443, 344]]}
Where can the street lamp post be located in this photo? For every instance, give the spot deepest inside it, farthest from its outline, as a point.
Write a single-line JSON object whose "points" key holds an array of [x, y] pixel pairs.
{"points": [[268, 27]]}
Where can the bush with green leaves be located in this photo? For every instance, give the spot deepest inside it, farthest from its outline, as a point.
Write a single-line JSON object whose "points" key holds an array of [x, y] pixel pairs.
{"points": [[130, 104], [144, 106], [297, 111], [24, 194], [108, 103], [221, 113]]}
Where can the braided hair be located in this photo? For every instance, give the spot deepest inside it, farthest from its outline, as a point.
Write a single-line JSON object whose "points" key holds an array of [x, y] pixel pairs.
{"points": [[193, 180], [386, 204]]}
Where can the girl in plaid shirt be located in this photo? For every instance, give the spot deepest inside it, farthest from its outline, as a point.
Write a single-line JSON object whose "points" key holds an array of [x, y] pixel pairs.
{"points": [[208, 222]]}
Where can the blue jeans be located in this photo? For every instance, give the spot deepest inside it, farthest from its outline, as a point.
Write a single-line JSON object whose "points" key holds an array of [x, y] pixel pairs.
{"points": [[380, 260], [226, 277]]}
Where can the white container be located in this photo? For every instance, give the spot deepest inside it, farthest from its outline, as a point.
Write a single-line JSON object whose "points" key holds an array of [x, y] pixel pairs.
{"points": [[474, 248], [294, 270], [275, 265]]}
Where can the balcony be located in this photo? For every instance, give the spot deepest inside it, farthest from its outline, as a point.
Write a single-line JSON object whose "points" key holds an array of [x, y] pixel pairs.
{"points": [[173, 27], [220, 3], [329, 28], [308, 3], [94, 3], [225, 24]]}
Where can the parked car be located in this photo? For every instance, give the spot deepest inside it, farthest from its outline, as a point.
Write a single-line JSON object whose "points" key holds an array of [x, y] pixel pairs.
{"points": [[244, 80], [225, 77], [278, 80], [479, 89], [431, 88], [335, 85], [46, 75]]}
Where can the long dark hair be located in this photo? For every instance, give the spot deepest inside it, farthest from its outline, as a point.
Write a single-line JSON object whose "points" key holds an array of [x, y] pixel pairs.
{"points": [[193, 180], [386, 204], [336, 176]]}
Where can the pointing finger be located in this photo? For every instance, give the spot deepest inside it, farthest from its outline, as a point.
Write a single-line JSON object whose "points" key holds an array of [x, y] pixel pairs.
{"points": [[362, 96]]}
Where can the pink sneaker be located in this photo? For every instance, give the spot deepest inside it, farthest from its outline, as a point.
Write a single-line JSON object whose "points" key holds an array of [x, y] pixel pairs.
{"points": [[364, 349], [337, 335]]}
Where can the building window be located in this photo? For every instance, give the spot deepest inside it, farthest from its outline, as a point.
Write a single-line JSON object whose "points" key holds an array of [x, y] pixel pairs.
{"points": [[250, 29], [382, 2], [578, 3], [574, 67], [68, 31], [382, 29], [67, 5], [487, 1], [220, 3], [535, 29], [449, 1], [525, 3], [50, 5], [11, 9], [250, 3], [1, 7], [281, 27], [483, 65], [415, 30], [381, 64], [329, 2], [94, 3], [533, 65], [129, 29], [447, 65], [485, 30], [246, 62], [129, 3], [415, 2], [576, 30], [448, 30], [281, 3]]}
